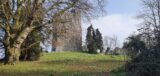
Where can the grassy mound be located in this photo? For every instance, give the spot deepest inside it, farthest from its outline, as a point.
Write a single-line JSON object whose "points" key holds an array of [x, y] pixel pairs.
{"points": [[65, 64]]}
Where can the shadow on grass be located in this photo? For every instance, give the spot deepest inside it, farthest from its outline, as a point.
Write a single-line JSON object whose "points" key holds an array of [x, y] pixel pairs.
{"points": [[81, 62], [52, 73]]}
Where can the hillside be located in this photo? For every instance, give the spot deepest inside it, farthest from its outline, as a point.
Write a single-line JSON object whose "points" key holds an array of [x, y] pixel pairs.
{"points": [[65, 64]]}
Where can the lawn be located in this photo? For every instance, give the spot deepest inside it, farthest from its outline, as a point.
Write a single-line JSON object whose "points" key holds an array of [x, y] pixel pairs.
{"points": [[65, 64]]}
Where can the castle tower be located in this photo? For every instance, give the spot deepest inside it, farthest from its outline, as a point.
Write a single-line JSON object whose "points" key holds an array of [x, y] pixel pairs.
{"points": [[67, 34]]}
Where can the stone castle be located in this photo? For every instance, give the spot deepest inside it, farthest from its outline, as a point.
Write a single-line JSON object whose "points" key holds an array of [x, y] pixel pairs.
{"points": [[67, 33]]}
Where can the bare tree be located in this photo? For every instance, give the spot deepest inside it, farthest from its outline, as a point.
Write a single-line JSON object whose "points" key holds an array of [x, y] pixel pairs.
{"points": [[150, 33], [20, 17], [111, 42], [151, 26]]}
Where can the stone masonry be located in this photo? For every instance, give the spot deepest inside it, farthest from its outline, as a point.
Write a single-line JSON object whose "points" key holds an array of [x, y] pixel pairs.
{"points": [[67, 33]]}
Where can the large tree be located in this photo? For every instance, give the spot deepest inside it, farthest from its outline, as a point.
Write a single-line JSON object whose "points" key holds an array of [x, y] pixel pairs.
{"points": [[147, 63], [18, 18], [134, 46], [99, 40], [90, 40], [151, 25]]}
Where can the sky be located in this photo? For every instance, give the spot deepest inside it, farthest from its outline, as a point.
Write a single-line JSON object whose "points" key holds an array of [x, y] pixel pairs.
{"points": [[120, 19]]}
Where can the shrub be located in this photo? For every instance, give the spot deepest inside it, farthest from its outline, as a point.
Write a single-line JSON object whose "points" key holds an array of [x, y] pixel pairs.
{"points": [[146, 64]]}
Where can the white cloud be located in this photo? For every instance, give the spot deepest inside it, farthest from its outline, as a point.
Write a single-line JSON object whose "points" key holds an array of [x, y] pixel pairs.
{"points": [[120, 25]]}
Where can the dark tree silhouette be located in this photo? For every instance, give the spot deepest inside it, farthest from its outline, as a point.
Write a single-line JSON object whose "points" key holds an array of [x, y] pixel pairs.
{"points": [[90, 40], [99, 40]]}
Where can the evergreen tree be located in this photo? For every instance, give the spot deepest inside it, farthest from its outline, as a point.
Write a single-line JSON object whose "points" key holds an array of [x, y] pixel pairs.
{"points": [[90, 39], [99, 40], [134, 45]]}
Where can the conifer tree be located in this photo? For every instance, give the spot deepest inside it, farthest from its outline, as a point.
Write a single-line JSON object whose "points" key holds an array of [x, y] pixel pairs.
{"points": [[99, 40], [90, 39]]}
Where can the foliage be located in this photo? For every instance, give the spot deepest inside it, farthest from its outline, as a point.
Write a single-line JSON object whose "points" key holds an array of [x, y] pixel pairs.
{"points": [[147, 62], [99, 40], [118, 72], [90, 39], [134, 45], [116, 51], [150, 28], [144, 63], [31, 46], [94, 40], [107, 50]]}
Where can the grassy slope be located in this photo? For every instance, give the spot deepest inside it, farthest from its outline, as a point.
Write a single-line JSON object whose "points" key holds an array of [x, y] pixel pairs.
{"points": [[65, 64]]}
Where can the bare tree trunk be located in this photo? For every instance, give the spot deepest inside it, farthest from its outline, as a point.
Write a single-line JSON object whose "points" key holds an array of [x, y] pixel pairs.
{"points": [[12, 55], [13, 51]]}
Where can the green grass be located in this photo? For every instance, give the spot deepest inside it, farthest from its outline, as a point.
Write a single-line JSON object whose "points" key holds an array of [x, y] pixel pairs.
{"points": [[65, 64], [118, 72]]}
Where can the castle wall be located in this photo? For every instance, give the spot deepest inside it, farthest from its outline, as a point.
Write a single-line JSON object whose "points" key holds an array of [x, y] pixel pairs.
{"points": [[68, 35]]}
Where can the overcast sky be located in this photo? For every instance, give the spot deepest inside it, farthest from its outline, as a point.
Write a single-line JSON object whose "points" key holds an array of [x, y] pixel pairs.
{"points": [[119, 21]]}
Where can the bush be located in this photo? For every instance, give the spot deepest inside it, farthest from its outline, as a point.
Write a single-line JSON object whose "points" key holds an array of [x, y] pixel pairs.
{"points": [[118, 72], [31, 54], [34, 54], [146, 64]]}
